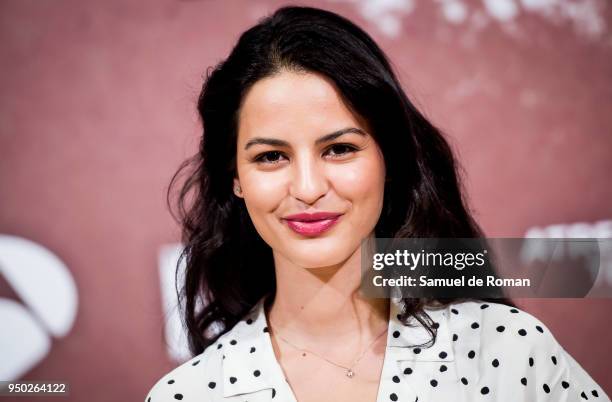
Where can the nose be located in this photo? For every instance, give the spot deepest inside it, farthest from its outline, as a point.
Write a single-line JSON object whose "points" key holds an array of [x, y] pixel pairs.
{"points": [[309, 181]]}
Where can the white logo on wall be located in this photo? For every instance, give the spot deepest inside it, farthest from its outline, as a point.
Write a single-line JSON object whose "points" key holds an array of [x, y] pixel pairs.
{"points": [[50, 301], [176, 340], [577, 230], [176, 336], [586, 16]]}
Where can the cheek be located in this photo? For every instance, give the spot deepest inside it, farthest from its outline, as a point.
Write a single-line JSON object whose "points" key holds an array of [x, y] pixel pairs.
{"points": [[263, 191], [362, 182]]}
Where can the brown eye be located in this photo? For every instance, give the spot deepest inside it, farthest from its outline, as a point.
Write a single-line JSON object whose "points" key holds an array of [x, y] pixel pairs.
{"points": [[269, 157], [340, 150]]}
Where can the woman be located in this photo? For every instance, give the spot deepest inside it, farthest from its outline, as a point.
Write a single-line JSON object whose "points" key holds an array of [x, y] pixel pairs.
{"points": [[311, 146]]}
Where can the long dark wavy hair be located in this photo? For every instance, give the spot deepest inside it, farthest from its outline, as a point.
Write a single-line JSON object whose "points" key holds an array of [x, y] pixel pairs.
{"points": [[228, 265]]}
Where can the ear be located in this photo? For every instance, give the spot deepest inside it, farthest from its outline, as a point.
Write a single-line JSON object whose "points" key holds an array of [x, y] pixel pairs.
{"points": [[236, 188]]}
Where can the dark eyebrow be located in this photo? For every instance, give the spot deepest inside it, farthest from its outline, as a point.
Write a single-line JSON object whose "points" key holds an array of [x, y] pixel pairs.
{"points": [[320, 140]]}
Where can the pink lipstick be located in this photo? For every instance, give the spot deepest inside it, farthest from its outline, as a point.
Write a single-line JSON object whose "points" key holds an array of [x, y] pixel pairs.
{"points": [[312, 224]]}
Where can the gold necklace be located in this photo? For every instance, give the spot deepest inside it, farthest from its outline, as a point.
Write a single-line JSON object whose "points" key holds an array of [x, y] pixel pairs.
{"points": [[350, 373]]}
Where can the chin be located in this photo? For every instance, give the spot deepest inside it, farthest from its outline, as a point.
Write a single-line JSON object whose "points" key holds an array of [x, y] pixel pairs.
{"points": [[310, 264], [318, 255]]}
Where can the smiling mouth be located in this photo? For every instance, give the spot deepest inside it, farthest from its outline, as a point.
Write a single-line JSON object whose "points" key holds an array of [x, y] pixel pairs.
{"points": [[312, 227]]}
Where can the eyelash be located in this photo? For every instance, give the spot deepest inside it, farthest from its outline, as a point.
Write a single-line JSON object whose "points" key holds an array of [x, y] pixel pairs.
{"points": [[261, 157]]}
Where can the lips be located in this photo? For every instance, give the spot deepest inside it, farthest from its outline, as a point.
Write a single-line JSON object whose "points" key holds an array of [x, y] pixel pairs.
{"points": [[312, 224]]}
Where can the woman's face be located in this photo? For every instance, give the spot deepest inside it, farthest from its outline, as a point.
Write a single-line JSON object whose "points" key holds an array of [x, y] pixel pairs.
{"points": [[311, 175]]}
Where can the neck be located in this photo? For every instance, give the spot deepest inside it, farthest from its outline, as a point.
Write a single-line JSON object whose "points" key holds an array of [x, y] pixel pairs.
{"points": [[323, 305]]}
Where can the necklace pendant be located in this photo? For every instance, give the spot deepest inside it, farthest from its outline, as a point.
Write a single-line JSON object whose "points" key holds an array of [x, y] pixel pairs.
{"points": [[350, 373]]}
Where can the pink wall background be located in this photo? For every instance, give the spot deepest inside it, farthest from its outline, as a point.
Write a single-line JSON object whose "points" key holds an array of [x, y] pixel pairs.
{"points": [[97, 109]]}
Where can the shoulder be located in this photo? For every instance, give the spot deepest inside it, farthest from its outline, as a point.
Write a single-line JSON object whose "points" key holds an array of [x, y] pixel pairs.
{"points": [[507, 340], [496, 322], [500, 331], [199, 378]]}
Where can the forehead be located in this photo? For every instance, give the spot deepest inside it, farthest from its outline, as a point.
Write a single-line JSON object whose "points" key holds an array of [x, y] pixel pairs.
{"points": [[293, 103]]}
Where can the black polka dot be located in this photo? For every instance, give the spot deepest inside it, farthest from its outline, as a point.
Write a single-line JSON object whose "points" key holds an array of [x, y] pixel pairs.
{"points": [[554, 360], [524, 381], [233, 379], [266, 329], [399, 317], [396, 334], [583, 395], [178, 396], [483, 306], [434, 383], [256, 373], [531, 362], [195, 363], [454, 311], [149, 399], [170, 381], [455, 337], [475, 325], [393, 397], [495, 363], [539, 328], [408, 370], [546, 388], [522, 332], [501, 328], [219, 346], [565, 384], [464, 381], [252, 349], [212, 385], [514, 311], [396, 379], [595, 394], [273, 392], [435, 325], [471, 354], [484, 390], [224, 356], [249, 321], [416, 351], [443, 368], [233, 342], [442, 355]]}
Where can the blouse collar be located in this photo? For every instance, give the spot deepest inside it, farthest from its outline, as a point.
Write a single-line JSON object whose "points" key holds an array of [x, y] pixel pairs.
{"points": [[247, 348]]}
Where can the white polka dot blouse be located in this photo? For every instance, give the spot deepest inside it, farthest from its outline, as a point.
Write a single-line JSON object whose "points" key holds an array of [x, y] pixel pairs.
{"points": [[483, 352]]}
